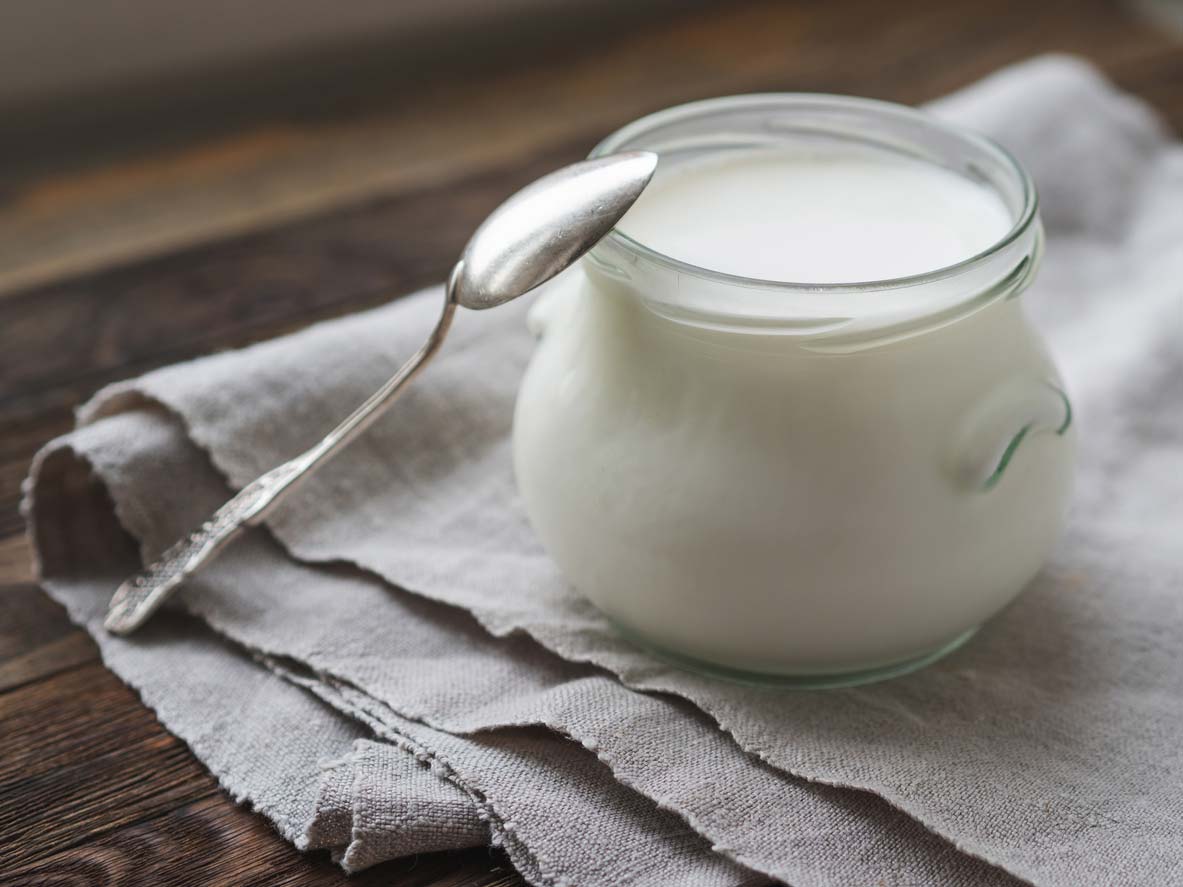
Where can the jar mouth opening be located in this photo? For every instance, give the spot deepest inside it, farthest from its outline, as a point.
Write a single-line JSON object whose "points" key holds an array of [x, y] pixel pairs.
{"points": [[872, 123]]}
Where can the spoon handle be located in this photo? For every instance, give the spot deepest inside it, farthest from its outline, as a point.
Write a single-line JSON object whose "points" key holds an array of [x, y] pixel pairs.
{"points": [[142, 594]]}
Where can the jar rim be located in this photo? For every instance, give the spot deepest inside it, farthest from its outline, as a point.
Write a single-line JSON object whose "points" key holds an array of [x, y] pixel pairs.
{"points": [[625, 137]]}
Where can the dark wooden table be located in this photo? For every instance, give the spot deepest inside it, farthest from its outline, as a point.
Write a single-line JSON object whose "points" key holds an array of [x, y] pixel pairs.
{"points": [[115, 263]]}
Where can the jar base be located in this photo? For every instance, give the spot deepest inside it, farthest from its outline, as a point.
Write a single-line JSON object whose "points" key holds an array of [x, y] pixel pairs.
{"points": [[770, 680]]}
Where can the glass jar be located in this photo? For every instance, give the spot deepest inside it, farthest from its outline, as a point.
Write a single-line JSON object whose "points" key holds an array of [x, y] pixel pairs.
{"points": [[816, 484]]}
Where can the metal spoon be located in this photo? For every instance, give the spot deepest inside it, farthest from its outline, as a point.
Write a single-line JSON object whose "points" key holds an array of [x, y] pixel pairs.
{"points": [[525, 242]]}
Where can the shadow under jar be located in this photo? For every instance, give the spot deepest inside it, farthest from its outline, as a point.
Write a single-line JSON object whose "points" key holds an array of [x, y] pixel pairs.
{"points": [[809, 484]]}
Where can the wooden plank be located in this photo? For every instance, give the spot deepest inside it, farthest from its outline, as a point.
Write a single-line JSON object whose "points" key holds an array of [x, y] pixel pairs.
{"points": [[71, 650], [29, 621], [82, 756], [19, 440], [16, 560], [37, 639], [211, 841], [234, 292]]}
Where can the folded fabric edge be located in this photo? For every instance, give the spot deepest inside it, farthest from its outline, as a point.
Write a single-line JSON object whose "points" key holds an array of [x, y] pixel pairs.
{"points": [[359, 836], [501, 831], [332, 823]]}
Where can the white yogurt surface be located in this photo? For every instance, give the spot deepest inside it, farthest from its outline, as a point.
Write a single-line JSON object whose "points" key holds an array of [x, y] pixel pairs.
{"points": [[804, 217]]}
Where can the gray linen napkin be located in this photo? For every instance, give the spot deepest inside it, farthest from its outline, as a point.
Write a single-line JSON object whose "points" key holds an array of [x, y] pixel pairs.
{"points": [[1049, 747]]}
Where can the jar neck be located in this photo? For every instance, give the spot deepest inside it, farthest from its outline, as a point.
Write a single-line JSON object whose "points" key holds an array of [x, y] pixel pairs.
{"points": [[830, 320], [845, 315]]}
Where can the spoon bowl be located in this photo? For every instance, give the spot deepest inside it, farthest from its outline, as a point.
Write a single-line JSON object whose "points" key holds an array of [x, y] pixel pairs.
{"points": [[548, 225]]}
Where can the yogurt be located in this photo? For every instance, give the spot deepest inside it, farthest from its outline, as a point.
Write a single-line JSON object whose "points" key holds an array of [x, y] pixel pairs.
{"points": [[810, 217], [806, 483]]}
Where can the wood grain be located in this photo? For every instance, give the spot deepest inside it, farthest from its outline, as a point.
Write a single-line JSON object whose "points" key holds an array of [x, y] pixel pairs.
{"points": [[112, 267], [36, 641], [16, 561], [209, 842]]}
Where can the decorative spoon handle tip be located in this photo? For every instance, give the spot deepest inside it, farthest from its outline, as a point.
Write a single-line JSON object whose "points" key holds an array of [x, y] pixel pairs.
{"points": [[142, 594]]}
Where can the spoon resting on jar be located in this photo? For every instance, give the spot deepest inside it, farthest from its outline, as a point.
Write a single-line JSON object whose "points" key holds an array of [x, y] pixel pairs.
{"points": [[534, 235]]}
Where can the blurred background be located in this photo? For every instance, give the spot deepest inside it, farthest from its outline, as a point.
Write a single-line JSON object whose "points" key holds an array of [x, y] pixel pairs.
{"points": [[89, 86], [132, 127]]}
